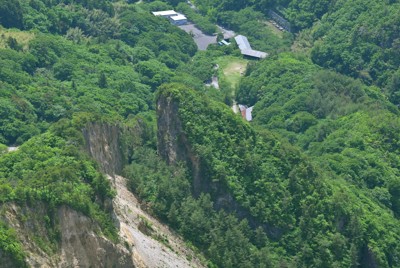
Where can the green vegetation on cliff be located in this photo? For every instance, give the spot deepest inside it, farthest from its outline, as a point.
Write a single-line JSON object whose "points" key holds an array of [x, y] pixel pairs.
{"points": [[301, 205], [312, 181]]}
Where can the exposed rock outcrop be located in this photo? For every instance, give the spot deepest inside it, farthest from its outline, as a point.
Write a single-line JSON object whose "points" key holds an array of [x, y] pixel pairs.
{"points": [[112, 145], [172, 144], [144, 241], [82, 247]]}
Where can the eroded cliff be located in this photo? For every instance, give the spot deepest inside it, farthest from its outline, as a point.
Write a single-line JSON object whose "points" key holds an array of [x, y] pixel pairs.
{"points": [[63, 238]]}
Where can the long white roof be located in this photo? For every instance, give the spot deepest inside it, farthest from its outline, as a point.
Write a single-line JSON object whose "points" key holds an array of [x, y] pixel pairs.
{"points": [[165, 13]]}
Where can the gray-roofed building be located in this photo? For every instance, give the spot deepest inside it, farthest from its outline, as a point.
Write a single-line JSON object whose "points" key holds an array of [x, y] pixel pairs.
{"points": [[254, 53], [242, 42], [246, 49]]}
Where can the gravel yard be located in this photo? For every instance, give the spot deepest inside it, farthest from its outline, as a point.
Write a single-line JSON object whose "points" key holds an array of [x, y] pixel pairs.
{"points": [[202, 40]]}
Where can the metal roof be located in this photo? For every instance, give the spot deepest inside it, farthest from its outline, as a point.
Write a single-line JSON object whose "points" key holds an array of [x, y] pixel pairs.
{"points": [[254, 53], [246, 49], [242, 42]]}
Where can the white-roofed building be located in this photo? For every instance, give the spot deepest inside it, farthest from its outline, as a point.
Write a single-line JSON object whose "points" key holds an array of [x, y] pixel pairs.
{"points": [[178, 19], [166, 13], [225, 43], [246, 112]]}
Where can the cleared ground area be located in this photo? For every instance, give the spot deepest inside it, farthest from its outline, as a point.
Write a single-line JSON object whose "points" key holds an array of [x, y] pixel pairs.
{"points": [[231, 69], [274, 29], [202, 40], [22, 38]]}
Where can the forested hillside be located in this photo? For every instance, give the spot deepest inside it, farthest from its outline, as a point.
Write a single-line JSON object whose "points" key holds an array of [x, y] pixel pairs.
{"points": [[312, 181]]}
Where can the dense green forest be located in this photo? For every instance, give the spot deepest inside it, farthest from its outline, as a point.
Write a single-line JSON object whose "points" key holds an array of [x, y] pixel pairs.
{"points": [[312, 181]]}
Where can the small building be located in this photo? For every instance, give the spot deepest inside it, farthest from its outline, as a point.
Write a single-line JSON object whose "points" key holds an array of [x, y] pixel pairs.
{"points": [[249, 113], [165, 14], [225, 43], [246, 112], [178, 19]]}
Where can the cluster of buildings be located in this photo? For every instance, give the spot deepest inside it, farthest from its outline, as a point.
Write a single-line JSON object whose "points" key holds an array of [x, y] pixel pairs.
{"points": [[242, 41], [174, 17]]}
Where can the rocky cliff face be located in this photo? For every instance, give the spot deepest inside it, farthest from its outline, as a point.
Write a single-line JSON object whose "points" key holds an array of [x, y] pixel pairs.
{"points": [[82, 247], [172, 144], [170, 135], [103, 143]]}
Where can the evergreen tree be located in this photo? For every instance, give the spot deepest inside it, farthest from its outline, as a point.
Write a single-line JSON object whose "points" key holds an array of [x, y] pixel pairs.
{"points": [[102, 80]]}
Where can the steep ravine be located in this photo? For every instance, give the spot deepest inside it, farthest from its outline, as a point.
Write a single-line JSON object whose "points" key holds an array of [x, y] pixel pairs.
{"points": [[151, 243]]}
